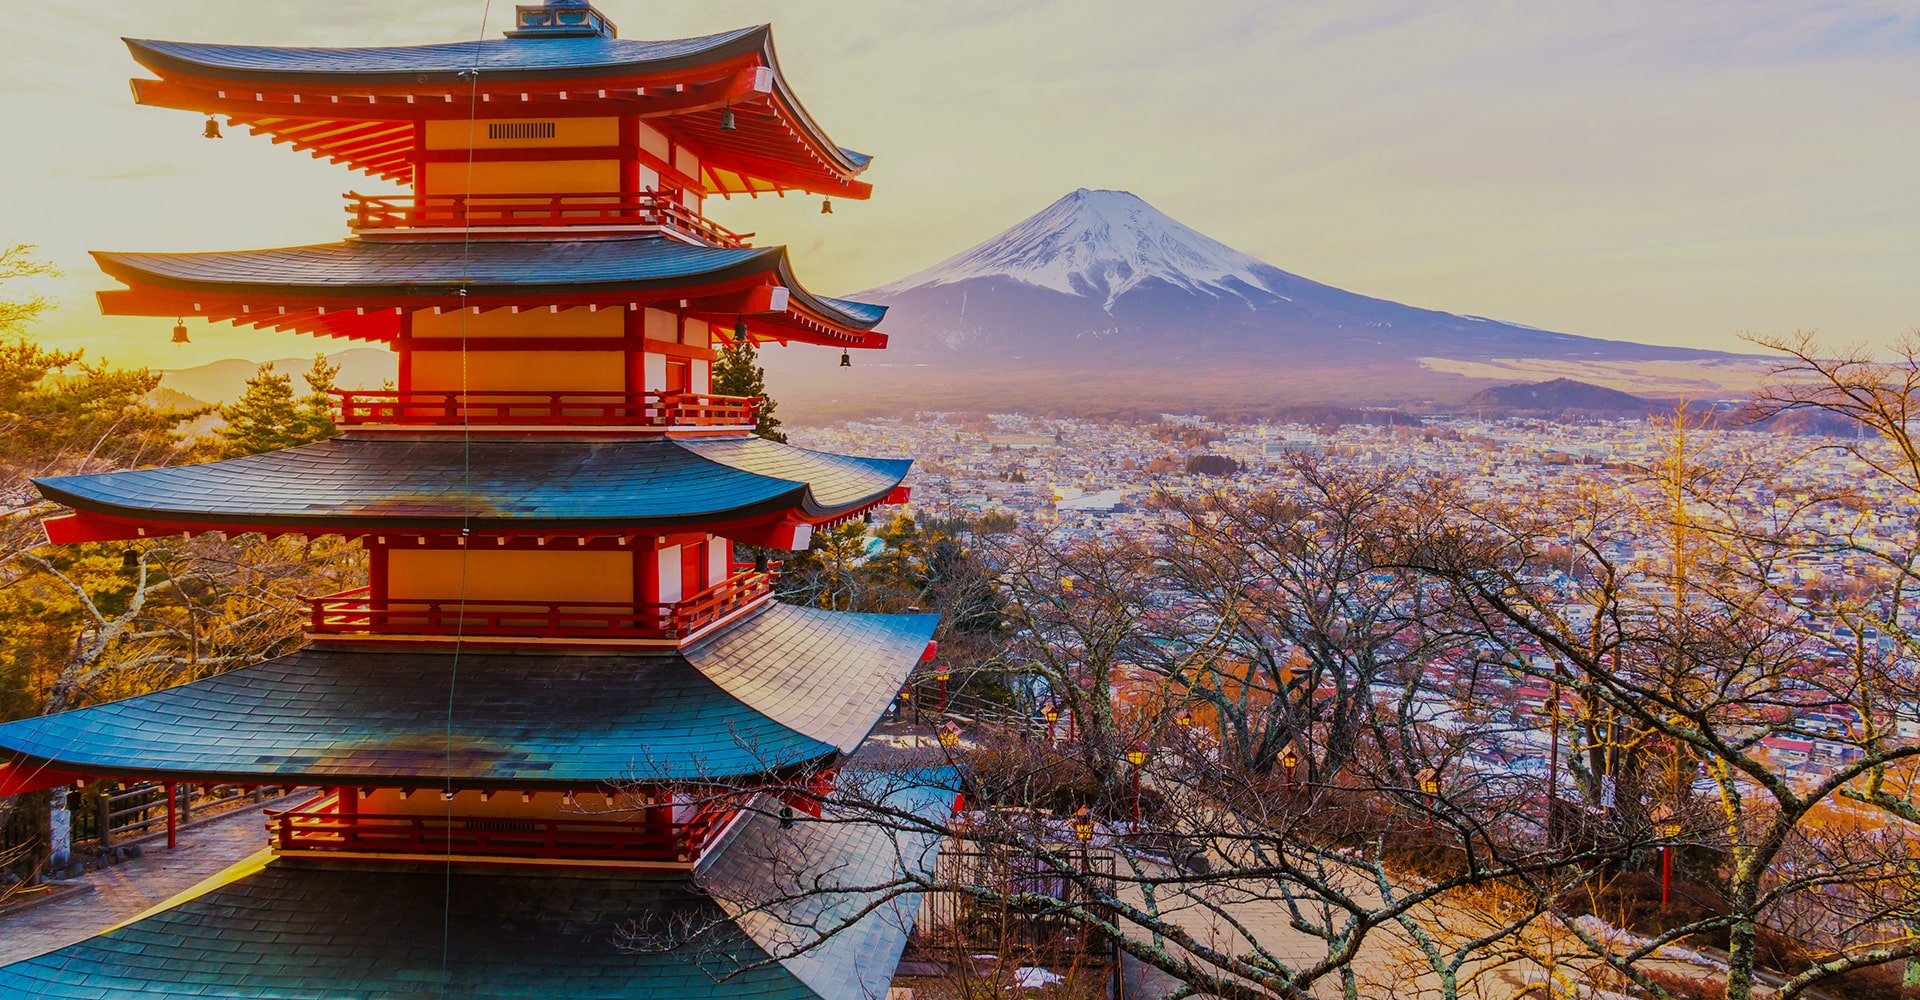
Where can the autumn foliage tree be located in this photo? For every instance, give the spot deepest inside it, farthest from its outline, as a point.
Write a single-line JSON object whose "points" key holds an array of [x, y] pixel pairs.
{"points": [[268, 416], [80, 624]]}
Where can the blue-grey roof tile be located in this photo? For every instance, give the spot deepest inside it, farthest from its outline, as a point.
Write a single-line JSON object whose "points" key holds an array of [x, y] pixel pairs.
{"points": [[496, 58], [362, 483], [361, 268], [331, 713], [345, 932]]}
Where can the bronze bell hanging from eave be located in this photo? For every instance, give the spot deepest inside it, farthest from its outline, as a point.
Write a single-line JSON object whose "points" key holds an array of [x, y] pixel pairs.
{"points": [[826, 206], [180, 331], [212, 130], [846, 360], [726, 119], [740, 330]]}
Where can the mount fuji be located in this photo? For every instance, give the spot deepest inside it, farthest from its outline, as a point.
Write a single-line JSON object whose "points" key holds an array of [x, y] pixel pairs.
{"points": [[1102, 296]]}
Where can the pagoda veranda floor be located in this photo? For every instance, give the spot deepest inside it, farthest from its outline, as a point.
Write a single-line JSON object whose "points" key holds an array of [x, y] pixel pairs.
{"points": [[121, 892]]}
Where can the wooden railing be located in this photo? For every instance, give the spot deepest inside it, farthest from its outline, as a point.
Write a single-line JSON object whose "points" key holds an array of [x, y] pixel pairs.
{"points": [[321, 826], [624, 409], [354, 612], [650, 209]]}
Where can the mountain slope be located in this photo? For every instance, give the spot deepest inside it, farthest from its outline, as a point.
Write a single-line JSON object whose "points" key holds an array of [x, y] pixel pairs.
{"points": [[1098, 244], [1559, 395], [1105, 269], [224, 381]]}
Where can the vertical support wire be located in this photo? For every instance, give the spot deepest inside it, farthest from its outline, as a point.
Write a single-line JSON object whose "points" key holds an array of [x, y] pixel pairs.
{"points": [[466, 437]]}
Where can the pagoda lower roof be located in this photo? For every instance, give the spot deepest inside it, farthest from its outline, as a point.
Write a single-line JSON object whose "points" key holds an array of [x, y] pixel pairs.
{"points": [[420, 272], [346, 931], [783, 688], [388, 482]]}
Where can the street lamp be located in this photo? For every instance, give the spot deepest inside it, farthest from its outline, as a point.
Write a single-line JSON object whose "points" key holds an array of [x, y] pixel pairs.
{"points": [[1051, 712], [949, 734], [1137, 756], [1083, 832], [942, 676], [1430, 786], [1289, 759]]}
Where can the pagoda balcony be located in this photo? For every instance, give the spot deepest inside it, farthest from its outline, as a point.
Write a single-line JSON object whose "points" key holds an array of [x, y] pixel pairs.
{"points": [[640, 211], [632, 410], [320, 827], [356, 613]]}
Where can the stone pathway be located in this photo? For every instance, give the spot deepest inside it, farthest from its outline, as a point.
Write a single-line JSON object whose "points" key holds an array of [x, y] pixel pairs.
{"points": [[124, 890]]}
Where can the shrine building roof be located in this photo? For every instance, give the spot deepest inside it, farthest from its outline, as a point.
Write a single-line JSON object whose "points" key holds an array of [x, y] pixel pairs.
{"points": [[782, 688], [389, 482], [294, 287]]}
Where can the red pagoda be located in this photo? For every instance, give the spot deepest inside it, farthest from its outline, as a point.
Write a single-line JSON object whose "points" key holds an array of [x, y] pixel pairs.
{"points": [[563, 703]]}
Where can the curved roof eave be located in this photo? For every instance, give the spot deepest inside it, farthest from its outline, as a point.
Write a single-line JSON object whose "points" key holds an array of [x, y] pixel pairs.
{"points": [[360, 523], [132, 268], [854, 163], [457, 60], [135, 268], [447, 62], [356, 484], [858, 315]]}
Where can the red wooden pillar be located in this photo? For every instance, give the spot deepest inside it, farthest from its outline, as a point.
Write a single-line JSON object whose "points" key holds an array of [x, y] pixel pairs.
{"points": [[403, 347], [629, 159], [634, 324], [377, 574], [661, 835], [173, 815]]}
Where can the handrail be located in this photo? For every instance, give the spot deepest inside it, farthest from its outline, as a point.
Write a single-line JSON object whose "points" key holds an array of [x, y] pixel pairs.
{"points": [[359, 408], [662, 209], [354, 612], [321, 827]]}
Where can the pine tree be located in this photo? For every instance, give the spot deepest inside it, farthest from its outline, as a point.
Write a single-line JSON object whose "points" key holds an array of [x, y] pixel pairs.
{"points": [[267, 417], [737, 372]]}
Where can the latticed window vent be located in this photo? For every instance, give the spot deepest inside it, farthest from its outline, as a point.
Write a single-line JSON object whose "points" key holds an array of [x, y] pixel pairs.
{"points": [[501, 825], [520, 130]]}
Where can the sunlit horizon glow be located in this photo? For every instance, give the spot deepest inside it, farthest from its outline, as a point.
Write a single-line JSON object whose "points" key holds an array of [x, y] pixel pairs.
{"points": [[1673, 174]]}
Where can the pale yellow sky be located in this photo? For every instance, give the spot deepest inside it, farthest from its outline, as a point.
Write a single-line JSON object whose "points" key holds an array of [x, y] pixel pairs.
{"points": [[1666, 172]]}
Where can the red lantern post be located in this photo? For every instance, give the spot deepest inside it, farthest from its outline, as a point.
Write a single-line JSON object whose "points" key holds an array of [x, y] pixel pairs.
{"points": [[1668, 830]]}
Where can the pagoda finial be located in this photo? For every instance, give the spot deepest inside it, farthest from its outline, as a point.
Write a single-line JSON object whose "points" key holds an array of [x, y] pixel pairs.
{"points": [[561, 19]]}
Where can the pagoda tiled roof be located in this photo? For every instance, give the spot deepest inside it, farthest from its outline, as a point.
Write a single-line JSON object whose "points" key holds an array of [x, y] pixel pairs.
{"points": [[526, 718], [461, 66], [359, 269], [496, 58], [362, 483], [343, 930]]}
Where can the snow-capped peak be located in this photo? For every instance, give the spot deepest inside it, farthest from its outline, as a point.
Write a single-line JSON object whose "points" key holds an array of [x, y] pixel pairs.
{"points": [[1098, 244]]}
